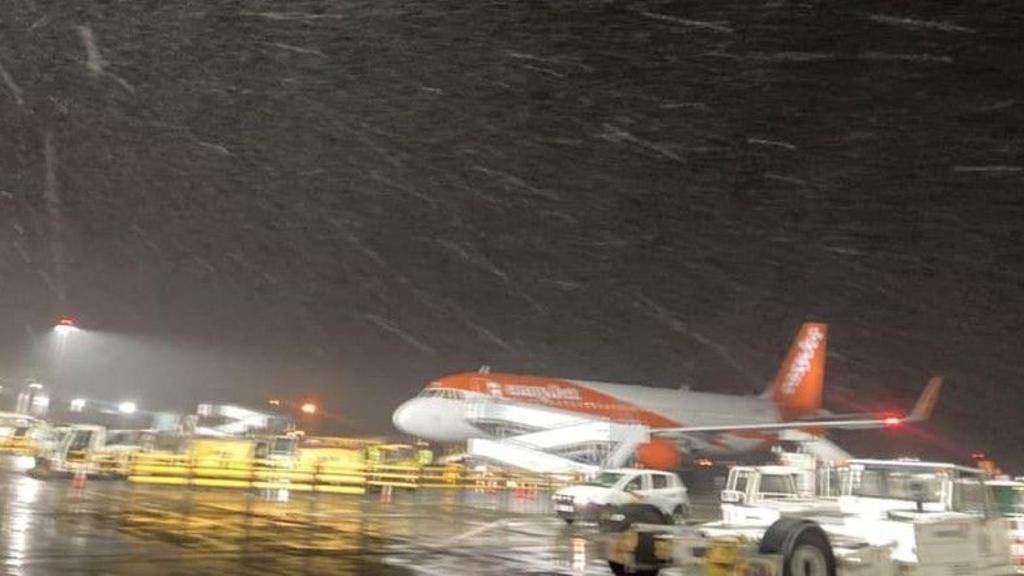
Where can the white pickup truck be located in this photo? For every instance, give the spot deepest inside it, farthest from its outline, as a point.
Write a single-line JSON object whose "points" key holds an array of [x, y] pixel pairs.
{"points": [[91, 450], [613, 488]]}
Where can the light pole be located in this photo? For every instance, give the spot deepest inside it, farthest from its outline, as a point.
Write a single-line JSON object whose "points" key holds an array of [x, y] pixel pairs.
{"points": [[309, 411], [64, 328]]}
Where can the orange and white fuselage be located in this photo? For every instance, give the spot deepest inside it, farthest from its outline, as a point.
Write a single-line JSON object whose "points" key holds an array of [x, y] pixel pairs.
{"points": [[443, 411]]}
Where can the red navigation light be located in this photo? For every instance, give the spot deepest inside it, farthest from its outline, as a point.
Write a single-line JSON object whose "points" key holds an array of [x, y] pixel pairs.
{"points": [[892, 421]]}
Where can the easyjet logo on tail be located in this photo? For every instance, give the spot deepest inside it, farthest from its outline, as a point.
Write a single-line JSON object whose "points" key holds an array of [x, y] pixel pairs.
{"points": [[797, 388], [801, 365]]}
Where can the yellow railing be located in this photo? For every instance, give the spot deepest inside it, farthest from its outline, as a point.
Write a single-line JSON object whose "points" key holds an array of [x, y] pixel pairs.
{"points": [[19, 445], [327, 476], [266, 474]]}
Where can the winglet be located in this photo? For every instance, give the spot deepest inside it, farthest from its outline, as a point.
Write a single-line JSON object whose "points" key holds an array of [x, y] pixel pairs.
{"points": [[926, 403]]}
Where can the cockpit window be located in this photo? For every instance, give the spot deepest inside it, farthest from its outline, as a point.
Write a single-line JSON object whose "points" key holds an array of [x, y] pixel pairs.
{"points": [[441, 393]]}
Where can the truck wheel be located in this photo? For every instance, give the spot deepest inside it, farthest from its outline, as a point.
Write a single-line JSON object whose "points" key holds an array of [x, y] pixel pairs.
{"points": [[620, 570], [42, 469], [645, 514], [626, 515], [804, 547], [680, 514]]}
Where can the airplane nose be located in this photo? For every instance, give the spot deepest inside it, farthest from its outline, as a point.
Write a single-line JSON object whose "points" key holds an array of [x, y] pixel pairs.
{"points": [[403, 418], [433, 419]]}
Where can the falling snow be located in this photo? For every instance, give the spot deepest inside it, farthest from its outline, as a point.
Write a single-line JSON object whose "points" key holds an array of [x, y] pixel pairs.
{"points": [[354, 198]]}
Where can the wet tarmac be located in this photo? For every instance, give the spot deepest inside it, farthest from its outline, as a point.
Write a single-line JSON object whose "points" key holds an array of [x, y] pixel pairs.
{"points": [[115, 527]]}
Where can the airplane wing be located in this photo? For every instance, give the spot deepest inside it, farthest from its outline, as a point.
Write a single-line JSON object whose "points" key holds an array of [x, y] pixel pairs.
{"points": [[922, 411]]}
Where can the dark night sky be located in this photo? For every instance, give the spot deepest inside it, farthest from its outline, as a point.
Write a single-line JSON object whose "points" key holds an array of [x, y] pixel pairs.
{"points": [[345, 199]]}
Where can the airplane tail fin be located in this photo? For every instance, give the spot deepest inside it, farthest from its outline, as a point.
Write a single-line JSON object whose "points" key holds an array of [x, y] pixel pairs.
{"points": [[797, 388], [926, 402]]}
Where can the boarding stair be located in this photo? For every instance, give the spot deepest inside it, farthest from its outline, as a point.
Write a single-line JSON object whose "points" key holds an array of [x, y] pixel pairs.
{"points": [[818, 447], [543, 439]]}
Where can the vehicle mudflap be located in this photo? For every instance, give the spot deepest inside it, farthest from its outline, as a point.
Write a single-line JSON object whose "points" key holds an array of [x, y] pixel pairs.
{"points": [[644, 552], [640, 548]]}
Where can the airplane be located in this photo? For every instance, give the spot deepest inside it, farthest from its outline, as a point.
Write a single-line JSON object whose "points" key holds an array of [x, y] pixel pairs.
{"points": [[680, 421]]}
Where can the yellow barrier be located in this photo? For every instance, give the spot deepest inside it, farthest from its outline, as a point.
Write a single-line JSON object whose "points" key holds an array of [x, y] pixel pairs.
{"points": [[17, 445], [326, 476], [251, 473]]}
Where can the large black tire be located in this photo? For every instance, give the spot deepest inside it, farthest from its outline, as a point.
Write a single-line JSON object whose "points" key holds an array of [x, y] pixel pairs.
{"points": [[803, 545], [41, 470], [620, 570], [625, 516]]}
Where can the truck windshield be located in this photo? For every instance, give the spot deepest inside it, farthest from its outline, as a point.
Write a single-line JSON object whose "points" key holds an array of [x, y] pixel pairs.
{"points": [[122, 438], [777, 486], [283, 446], [79, 440], [605, 479], [897, 483], [1009, 498]]}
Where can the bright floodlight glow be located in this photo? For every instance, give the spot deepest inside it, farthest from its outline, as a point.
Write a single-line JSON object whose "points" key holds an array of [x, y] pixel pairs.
{"points": [[24, 463], [66, 326], [78, 405], [892, 421], [309, 408], [127, 407]]}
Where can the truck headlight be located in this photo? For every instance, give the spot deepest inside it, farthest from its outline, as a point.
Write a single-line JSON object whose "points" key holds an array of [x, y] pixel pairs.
{"points": [[24, 463]]}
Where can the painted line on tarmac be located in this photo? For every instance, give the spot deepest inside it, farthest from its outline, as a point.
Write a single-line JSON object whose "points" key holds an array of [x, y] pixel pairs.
{"points": [[475, 531]]}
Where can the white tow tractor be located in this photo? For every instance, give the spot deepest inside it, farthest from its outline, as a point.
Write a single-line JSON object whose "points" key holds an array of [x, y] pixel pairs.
{"points": [[92, 450], [760, 495], [20, 433], [889, 518], [1010, 499]]}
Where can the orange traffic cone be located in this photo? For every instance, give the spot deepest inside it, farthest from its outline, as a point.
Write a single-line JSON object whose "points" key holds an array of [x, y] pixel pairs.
{"points": [[78, 482]]}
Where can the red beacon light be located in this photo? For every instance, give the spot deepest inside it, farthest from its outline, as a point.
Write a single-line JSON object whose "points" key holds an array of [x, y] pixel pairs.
{"points": [[66, 325], [890, 421]]}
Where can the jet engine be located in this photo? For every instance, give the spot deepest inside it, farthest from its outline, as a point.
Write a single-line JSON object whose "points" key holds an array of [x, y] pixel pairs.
{"points": [[659, 454]]}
